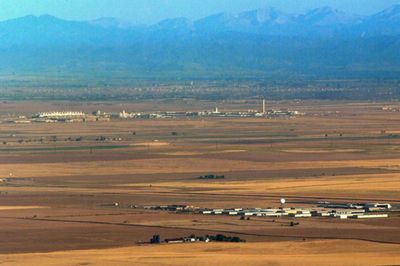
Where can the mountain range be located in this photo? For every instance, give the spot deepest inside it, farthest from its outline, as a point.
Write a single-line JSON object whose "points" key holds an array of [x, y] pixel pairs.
{"points": [[321, 42]]}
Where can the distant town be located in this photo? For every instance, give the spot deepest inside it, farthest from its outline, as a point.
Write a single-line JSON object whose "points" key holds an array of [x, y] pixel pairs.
{"points": [[78, 116]]}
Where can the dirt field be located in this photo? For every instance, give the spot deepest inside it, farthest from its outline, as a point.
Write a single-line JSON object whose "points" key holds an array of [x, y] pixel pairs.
{"points": [[60, 195], [277, 253]]}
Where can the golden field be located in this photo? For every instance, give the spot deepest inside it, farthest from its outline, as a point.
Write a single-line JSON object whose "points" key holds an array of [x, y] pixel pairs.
{"points": [[341, 253], [57, 208]]}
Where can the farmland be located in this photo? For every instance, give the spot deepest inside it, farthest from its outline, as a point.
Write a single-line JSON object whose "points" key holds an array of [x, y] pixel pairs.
{"points": [[61, 195]]}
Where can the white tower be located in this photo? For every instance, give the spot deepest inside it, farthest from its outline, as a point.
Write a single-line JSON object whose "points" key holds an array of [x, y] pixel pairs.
{"points": [[263, 107], [283, 201]]}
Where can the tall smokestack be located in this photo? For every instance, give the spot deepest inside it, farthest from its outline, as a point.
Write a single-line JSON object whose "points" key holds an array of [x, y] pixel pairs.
{"points": [[263, 110]]}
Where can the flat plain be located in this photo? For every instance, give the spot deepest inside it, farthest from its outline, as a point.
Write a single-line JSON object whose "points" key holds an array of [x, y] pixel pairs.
{"points": [[58, 206]]}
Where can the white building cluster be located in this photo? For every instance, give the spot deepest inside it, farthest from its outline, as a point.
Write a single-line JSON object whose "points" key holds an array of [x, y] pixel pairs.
{"points": [[342, 211], [270, 113], [335, 210]]}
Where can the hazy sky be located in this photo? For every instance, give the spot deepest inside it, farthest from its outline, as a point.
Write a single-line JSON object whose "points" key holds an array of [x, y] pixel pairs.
{"points": [[150, 11]]}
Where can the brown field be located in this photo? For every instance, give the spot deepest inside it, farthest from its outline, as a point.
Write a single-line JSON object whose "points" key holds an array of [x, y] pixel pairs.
{"points": [[58, 209], [3, 208], [278, 253]]}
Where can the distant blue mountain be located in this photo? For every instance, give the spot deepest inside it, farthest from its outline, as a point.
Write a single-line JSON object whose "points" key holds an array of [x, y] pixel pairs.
{"points": [[47, 29], [386, 22], [323, 41], [327, 16], [108, 22]]}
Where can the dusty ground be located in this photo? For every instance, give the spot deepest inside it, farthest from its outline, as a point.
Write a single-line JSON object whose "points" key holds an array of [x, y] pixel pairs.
{"points": [[278, 253], [61, 197]]}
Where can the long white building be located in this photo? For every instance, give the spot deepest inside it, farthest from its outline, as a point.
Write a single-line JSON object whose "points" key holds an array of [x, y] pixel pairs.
{"points": [[60, 114]]}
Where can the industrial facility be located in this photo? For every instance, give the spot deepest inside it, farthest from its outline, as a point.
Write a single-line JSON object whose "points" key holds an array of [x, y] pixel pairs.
{"points": [[270, 113], [333, 210], [79, 116]]}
